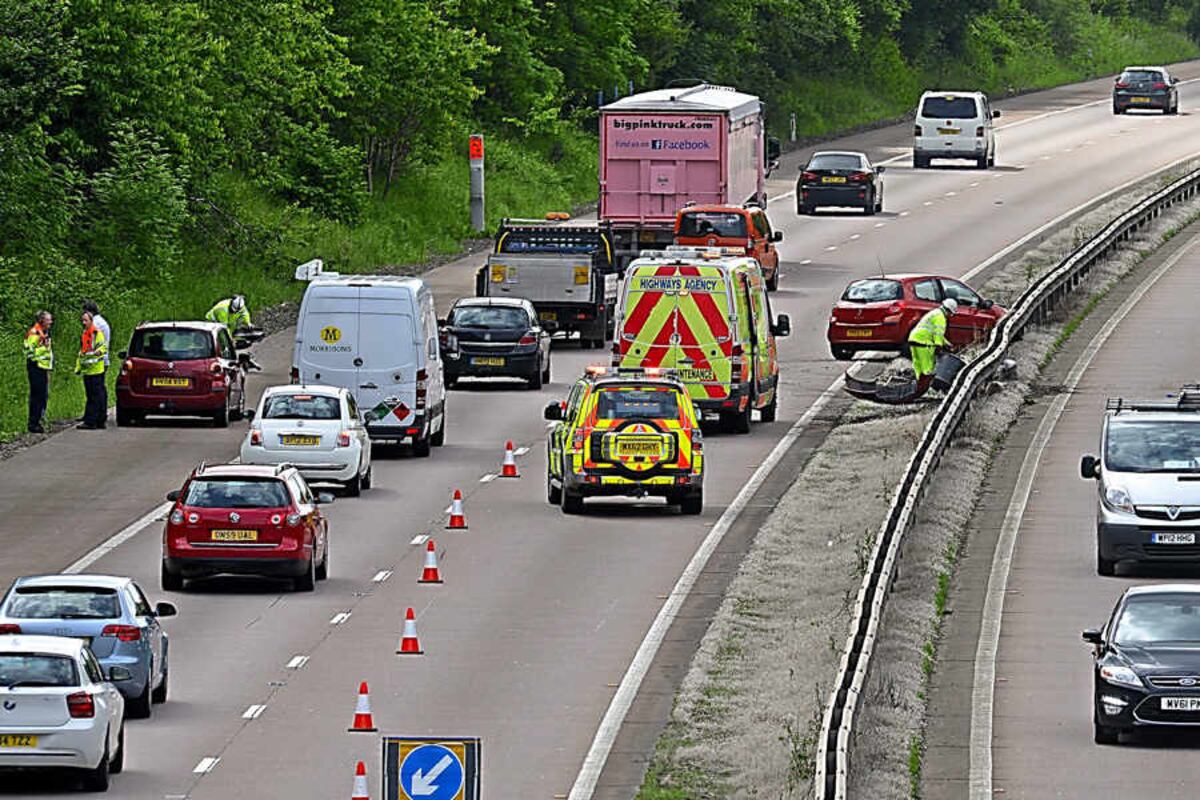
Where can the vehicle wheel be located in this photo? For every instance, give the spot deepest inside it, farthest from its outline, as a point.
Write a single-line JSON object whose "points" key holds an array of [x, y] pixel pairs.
{"points": [[438, 439], [869, 208], [308, 581], [535, 378], [598, 344], [368, 477], [159, 695], [1173, 110], [170, 581], [353, 486], [584, 343], [546, 372], [572, 503], [553, 493], [1104, 566], [139, 707], [692, 503], [451, 382], [770, 410], [920, 162], [420, 447], [841, 352], [1105, 734], [773, 281], [96, 780], [322, 573], [879, 206], [118, 763], [736, 421], [221, 418], [240, 412], [125, 418], [1117, 109], [982, 162], [992, 159]]}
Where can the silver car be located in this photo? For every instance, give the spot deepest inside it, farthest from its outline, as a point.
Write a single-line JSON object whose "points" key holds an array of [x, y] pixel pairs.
{"points": [[110, 614]]}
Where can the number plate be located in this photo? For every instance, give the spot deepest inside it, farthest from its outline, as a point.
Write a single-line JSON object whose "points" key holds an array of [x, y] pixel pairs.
{"points": [[859, 333], [1139, 99], [14, 740], [1173, 538], [949, 131], [639, 447], [234, 536], [487, 361], [549, 316], [292, 440], [174, 383], [1180, 704], [833, 179]]}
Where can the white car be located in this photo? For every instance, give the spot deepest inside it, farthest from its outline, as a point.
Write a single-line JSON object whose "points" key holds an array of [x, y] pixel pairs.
{"points": [[59, 710], [318, 429], [954, 125]]}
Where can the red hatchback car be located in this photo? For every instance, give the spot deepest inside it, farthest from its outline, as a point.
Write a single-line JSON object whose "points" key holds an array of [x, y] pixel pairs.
{"points": [[246, 520], [181, 368], [878, 313]]}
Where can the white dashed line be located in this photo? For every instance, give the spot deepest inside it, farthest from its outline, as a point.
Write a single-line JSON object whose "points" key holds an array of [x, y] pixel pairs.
{"points": [[880, 224], [806, 262], [520, 451], [206, 765], [254, 712], [381, 576], [904, 213], [420, 538], [339, 618], [127, 533], [491, 476], [951, 194], [447, 509], [297, 662], [831, 248], [928, 203], [855, 236], [973, 185]]}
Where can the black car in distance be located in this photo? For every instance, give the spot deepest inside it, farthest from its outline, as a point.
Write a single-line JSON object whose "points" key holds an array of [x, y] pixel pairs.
{"points": [[1145, 87], [489, 337], [1147, 662], [839, 179]]}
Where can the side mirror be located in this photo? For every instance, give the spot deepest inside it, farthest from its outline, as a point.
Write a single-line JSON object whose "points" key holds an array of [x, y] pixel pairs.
{"points": [[173, 495], [123, 354], [119, 674], [165, 610], [782, 326], [996, 114], [553, 411], [1092, 636], [250, 412], [984, 305], [880, 170], [1089, 467], [774, 149], [777, 236], [324, 498], [442, 323]]}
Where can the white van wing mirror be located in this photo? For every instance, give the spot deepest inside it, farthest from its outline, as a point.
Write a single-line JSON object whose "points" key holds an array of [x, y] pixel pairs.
{"points": [[311, 270]]}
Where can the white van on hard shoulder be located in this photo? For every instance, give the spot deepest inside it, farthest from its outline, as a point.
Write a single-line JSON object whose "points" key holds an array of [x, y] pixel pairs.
{"points": [[954, 125], [377, 336]]}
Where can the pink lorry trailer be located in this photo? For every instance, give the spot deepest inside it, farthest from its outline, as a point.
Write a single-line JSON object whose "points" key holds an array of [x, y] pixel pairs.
{"points": [[663, 149]]}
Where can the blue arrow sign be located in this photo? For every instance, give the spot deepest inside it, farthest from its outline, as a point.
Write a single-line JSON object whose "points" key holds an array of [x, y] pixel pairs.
{"points": [[431, 772]]}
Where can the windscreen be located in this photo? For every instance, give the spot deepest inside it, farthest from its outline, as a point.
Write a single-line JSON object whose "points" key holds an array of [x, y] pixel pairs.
{"points": [[949, 108], [489, 317], [873, 291], [35, 669], [712, 223], [1160, 446], [835, 161], [64, 602], [637, 404], [172, 345], [237, 493], [1159, 619], [1141, 76], [302, 406]]}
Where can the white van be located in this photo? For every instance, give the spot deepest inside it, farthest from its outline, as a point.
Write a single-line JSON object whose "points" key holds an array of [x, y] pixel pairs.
{"points": [[954, 125], [376, 336]]}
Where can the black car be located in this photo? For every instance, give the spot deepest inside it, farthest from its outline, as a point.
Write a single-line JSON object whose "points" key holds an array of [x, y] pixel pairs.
{"points": [[839, 179], [485, 337], [1146, 87], [1147, 662]]}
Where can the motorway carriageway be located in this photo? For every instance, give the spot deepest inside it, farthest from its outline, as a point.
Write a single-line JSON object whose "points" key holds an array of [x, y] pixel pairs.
{"points": [[540, 614]]}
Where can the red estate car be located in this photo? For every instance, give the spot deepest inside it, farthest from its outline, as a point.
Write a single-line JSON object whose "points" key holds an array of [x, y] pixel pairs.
{"points": [[732, 226], [878, 313], [246, 520], [182, 368]]}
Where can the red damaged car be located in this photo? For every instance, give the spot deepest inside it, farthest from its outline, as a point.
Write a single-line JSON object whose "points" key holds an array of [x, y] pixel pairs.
{"points": [[878, 313]]}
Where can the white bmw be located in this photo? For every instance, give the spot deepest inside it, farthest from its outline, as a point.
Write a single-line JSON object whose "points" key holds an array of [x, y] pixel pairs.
{"points": [[318, 429], [58, 708]]}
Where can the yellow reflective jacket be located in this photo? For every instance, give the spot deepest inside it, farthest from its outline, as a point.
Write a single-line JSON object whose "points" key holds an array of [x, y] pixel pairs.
{"points": [[92, 349], [38, 347], [930, 330], [232, 320]]}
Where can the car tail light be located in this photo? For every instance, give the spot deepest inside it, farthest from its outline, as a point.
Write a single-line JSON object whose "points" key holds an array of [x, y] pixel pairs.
{"points": [[293, 520], [917, 130], [343, 439], [1121, 85], [735, 362], [295, 375], [527, 339], [9, 628], [124, 633], [979, 130], [256, 438], [809, 176], [578, 438], [860, 177], [697, 440], [215, 368], [127, 367], [81, 706], [1160, 86], [177, 517], [422, 389]]}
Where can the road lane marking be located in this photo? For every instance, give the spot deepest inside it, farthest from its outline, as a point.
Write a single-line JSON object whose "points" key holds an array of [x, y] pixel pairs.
{"points": [[491, 476], [297, 662], [806, 262], [420, 538], [951, 194], [254, 712], [520, 451], [381, 576], [984, 683], [340, 617], [880, 224], [783, 196], [831, 248], [614, 717], [118, 539], [855, 236], [206, 765], [905, 213]]}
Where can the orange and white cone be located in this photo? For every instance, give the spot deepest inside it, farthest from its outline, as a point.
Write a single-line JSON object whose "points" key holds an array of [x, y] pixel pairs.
{"points": [[360, 791], [509, 469], [458, 520], [430, 574], [363, 721], [409, 644]]}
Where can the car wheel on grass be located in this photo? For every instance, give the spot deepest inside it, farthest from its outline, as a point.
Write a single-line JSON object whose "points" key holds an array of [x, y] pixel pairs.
{"points": [[170, 581]]}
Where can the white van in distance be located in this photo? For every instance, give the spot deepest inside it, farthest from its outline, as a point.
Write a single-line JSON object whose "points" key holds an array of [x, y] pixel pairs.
{"points": [[954, 125], [376, 336]]}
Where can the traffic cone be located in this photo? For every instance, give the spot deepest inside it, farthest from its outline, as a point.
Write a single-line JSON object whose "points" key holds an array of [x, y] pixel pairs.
{"points": [[409, 645], [458, 521], [363, 722], [509, 470], [360, 783], [430, 574]]}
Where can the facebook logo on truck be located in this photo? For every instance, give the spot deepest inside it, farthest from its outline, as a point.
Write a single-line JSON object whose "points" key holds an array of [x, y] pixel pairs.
{"points": [[686, 144]]}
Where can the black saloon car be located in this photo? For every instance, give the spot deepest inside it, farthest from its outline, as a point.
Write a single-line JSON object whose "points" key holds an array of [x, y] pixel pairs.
{"points": [[839, 179], [1146, 87], [486, 337], [1147, 662]]}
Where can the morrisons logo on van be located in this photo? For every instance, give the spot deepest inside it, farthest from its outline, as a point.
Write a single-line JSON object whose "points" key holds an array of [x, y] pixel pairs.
{"points": [[330, 348], [653, 283]]}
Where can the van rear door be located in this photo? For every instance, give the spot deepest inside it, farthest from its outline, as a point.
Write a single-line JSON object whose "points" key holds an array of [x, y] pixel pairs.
{"points": [[388, 349], [327, 338]]}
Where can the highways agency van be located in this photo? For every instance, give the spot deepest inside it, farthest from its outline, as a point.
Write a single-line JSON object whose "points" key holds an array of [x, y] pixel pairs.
{"points": [[376, 336], [704, 314]]}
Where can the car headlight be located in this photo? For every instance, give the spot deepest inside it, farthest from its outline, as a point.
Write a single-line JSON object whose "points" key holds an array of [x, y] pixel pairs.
{"points": [[1122, 676], [1118, 499]]}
